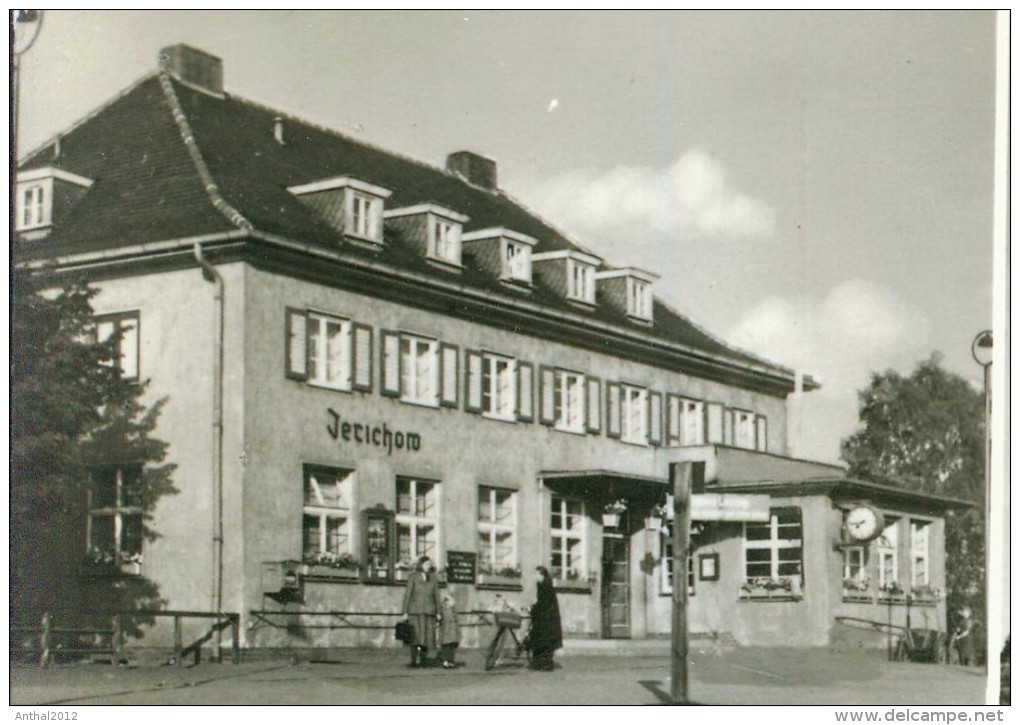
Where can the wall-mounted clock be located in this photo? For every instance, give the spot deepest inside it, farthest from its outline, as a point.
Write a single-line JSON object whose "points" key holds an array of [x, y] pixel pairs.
{"points": [[864, 523]]}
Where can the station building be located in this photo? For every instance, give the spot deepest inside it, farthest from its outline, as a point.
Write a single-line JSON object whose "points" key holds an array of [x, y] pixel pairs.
{"points": [[366, 359]]}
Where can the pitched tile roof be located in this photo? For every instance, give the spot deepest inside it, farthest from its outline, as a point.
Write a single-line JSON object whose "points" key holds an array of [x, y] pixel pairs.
{"points": [[149, 188]]}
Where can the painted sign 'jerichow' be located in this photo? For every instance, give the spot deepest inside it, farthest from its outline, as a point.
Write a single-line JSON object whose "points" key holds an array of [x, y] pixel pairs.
{"points": [[381, 437]]}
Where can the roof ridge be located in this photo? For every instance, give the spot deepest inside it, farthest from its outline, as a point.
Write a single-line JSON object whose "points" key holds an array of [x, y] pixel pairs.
{"points": [[88, 116], [188, 137], [339, 134]]}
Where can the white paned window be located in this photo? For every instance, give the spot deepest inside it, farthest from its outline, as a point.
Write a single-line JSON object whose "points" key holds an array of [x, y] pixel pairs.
{"points": [[773, 550], [497, 530], [419, 370], [33, 206], [919, 558], [634, 415], [567, 527], [569, 398], [887, 547], [122, 330], [445, 240], [115, 515], [855, 573], [743, 429], [326, 522], [329, 351], [517, 261], [692, 423], [762, 435], [666, 586], [499, 391], [580, 281], [417, 519], [639, 299], [366, 217]]}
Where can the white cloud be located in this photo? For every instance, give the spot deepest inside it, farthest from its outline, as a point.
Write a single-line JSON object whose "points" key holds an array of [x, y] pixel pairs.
{"points": [[859, 327], [692, 197]]}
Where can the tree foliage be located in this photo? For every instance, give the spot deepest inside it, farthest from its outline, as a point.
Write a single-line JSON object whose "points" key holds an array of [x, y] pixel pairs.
{"points": [[926, 432], [70, 409]]}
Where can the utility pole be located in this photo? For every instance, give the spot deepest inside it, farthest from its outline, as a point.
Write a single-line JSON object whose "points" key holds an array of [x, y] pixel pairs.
{"points": [[681, 476], [25, 25]]}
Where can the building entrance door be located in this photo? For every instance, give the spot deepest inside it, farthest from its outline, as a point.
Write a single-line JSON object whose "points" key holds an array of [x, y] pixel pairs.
{"points": [[616, 585]]}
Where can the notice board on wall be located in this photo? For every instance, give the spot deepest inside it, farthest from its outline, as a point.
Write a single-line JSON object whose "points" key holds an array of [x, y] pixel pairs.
{"points": [[460, 567]]}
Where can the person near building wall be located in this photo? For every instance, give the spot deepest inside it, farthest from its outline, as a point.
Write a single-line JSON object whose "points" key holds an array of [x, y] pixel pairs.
{"points": [[421, 605], [546, 635]]}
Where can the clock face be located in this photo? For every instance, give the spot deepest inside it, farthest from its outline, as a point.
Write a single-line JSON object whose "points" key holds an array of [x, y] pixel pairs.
{"points": [[863, 523]]}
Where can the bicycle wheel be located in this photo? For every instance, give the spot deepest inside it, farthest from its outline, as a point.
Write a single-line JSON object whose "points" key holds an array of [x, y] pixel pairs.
{"points": [[495, 654]]}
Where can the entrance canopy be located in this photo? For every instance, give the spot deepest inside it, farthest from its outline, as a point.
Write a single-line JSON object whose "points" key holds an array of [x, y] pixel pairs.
{"points": [[609, 485]]}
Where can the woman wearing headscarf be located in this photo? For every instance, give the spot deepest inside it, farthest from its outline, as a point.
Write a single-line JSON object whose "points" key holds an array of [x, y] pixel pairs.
{"points": [[421, 605], [546, 635]]}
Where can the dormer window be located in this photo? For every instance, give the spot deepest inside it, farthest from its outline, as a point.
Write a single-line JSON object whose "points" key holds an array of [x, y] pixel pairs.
{"points": [[503, 253], [433, 230], [628, 291], [570, 272], [38, 190], [351, 206]]}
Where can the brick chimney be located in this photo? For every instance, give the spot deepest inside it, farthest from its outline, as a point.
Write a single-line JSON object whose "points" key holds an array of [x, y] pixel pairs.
{"points": [[472, 167], [193, 66]]}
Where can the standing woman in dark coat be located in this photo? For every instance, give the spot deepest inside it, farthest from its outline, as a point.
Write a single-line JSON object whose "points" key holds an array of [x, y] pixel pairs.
{"points": [[546, 635]]}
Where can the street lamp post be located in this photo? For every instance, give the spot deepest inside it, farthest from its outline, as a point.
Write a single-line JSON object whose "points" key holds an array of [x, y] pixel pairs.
{"points": [[981, 350]]}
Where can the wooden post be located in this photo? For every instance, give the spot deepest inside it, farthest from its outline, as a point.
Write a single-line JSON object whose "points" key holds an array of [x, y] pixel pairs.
{"points": [[178, 640], [118, 640], [235, 642], [44, 640], [681, 476]]}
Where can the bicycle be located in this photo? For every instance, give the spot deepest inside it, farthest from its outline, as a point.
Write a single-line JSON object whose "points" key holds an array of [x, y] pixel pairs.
{"points": [[506, 646]]}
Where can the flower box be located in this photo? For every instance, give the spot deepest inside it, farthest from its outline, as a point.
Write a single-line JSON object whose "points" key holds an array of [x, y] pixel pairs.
{"points": [[857, 596], [895, 597], [610, 521], [653, 523], [323, 571], [786, 588], [499, 580]]}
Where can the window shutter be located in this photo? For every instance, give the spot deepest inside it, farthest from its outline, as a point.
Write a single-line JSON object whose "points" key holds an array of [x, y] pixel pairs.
{"points": [[594, 405], [525, 392], [389, 352], [547, 395], [674, 412], [129, 347], [297, 344], [714, 421], [761, 433], [361, 357], [473, 382], [728, 417], [613, 410], [449, 373], [655, 418]]}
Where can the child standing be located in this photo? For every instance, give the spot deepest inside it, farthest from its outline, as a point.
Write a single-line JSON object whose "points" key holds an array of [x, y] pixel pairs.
{"points": [[449, 630]]}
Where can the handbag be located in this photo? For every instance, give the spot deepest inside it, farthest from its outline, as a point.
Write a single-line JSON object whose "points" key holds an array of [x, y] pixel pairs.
{"points": [[403, 631]]}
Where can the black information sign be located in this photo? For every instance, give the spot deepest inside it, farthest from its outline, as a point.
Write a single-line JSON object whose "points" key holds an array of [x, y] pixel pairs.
{"points": [[460, 567]]}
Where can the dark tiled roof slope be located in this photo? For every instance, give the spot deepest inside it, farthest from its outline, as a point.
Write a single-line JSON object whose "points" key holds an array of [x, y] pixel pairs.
{"points": [[147, 189]]}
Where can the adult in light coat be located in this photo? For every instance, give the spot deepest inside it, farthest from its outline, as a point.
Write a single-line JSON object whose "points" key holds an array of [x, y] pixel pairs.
{"points": [[421, 605]]}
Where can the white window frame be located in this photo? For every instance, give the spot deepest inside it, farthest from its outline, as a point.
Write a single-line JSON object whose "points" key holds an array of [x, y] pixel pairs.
{"points": [[775, 546], [855, 570], [414, 520], [322, 352], [920, 539], [344, 481], [499, 403], [692, 422], [492, 527], [118, 512], [126, 326], [35, 205], [633, 422], [580, 281], [565, 534], [569, 394], [639, 298], [415, 387], [743, 429], [444, 240], [366, 216], [516, 259], [887, 549], [666, 569]]}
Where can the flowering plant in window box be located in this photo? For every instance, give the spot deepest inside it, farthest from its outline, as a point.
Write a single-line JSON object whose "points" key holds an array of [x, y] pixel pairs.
{"points": [[763, 587], [331, 564], [857, 589], [659, 514], [924, 593], [891, 590], [611, 512], [499, 575], [573, 579], [114, 562]]}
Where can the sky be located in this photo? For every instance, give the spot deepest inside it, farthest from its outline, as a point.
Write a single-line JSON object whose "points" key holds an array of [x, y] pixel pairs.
{"points": [[813, 187]]}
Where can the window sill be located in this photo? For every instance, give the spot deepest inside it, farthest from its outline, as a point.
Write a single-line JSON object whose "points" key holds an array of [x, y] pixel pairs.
{"points": [[571, 586], [113, 570], [640, 443], [494, 581], [892, 598], [322, 573], [445, 264], [574, 431], [361, 241], [327, 386], [776, 595], [501, 418], [420, 403], [858, 598]]}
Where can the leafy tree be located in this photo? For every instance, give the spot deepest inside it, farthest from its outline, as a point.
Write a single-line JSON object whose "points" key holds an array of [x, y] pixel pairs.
{"points": [[70, 410], [926, 432]]}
